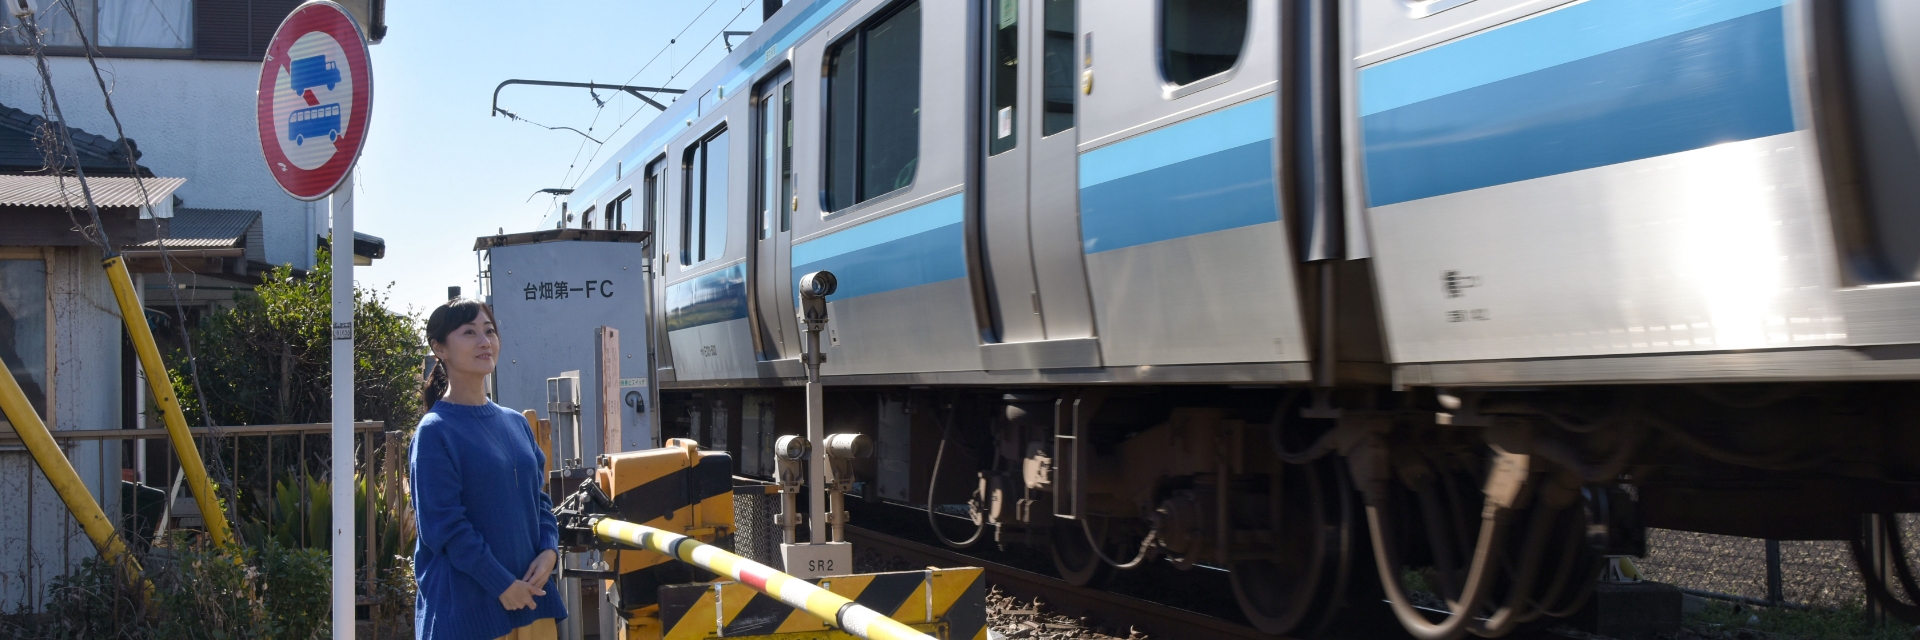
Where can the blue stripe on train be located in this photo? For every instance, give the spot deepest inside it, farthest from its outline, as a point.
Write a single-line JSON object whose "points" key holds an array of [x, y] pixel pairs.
{"points": [[716, 296], [1720, 83], [922, 245], [1180, 181], [1574, 32]]}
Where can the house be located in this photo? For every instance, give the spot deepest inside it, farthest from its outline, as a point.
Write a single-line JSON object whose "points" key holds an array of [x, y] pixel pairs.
{"points": [[191, 206]]}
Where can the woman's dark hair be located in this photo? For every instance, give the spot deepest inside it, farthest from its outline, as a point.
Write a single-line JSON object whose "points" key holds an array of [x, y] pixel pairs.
{"points": [[452, 315]]}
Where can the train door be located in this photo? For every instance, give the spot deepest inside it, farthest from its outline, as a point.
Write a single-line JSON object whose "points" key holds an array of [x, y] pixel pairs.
{"points": [[1031, 203], [773, 242]]}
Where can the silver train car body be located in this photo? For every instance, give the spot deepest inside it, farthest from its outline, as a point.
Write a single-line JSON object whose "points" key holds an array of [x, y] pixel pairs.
{"points": [[1248, 281]]}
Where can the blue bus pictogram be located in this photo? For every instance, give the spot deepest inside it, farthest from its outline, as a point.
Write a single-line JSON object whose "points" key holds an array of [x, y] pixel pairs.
{"points": [[314, 71], [314, 122]]}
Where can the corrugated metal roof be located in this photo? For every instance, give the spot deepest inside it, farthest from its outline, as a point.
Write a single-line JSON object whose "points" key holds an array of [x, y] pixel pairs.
{"points": [[192, 228], [46, 191]]}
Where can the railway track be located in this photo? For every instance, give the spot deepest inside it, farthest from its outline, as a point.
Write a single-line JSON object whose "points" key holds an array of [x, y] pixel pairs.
{"points": [[1113, 610]]}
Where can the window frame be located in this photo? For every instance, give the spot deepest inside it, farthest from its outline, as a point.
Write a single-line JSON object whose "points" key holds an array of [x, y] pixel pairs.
{"points": [[859, 32], [45, 255], [653, 203], [614, 214], [689, 192], [1173, 91], [780, 80]]}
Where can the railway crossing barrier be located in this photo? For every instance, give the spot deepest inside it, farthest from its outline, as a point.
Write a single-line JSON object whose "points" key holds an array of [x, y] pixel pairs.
{"points": [[759, 602]]}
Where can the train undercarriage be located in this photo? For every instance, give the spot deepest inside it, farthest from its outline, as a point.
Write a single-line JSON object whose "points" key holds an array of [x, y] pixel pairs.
{"points": [[1501, 503]]}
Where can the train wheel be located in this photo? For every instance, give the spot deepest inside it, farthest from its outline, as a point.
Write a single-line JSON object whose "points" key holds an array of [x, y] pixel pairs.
{"points": [[1073, 557], [1296, 589]]}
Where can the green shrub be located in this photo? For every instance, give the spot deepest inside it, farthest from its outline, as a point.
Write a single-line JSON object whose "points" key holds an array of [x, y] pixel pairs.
{"points": [[197, 592]]}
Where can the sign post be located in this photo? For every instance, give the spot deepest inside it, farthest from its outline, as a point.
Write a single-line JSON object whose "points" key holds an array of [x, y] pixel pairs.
{"points": [[315, 96]]}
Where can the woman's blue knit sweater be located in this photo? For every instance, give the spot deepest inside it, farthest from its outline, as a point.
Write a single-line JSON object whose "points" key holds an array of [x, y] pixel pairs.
{"points": [[483, 515]]}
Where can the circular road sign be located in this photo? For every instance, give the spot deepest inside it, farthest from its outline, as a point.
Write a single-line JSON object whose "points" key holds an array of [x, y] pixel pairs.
{"points": [[316, 93]]}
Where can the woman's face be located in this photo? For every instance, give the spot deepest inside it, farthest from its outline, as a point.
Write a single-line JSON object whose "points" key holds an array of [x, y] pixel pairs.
{"points": [[472, 348]]}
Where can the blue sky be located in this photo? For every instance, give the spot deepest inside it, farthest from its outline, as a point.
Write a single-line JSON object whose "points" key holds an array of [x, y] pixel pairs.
{"points": [[438, 171]]}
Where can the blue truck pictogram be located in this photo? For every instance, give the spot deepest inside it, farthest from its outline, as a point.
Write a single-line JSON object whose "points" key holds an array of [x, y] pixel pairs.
{"points": [[314, 122], [314, 71]]}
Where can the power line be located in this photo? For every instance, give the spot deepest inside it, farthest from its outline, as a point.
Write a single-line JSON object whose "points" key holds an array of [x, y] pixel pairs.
{"points": [[696, 56]]}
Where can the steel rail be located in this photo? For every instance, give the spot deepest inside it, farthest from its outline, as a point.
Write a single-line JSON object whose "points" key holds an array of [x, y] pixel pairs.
{"points": [[828, 606], [1152, 618]]}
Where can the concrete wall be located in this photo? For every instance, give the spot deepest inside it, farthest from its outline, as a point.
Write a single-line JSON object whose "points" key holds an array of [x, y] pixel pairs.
{"points": [[193, 119], [39, 538]]}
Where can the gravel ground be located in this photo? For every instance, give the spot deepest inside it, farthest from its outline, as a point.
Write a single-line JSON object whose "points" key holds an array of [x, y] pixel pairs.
{"points": [[1818, 573]]}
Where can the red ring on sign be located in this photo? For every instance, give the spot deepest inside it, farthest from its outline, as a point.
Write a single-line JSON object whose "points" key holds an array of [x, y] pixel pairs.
{"points": [[331, 19]]}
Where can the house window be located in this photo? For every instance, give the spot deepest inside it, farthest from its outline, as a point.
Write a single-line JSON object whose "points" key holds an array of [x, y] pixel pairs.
{"points": [[873, 108], [1200, 38], [703, 213], [131, 24], [23, 327]]}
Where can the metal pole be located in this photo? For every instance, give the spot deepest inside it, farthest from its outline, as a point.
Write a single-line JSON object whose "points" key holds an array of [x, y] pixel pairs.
{"points": [[816, 436], [59, 471], [342, 473], [134, 316], [1773, 572]]}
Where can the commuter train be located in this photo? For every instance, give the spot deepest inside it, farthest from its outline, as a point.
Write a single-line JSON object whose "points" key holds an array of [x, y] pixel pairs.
{"points": [[1321, 293]]}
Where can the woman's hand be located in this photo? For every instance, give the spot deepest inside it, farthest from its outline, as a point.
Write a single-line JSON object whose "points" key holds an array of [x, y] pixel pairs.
{"points": [[541, 567], [519, 595]]}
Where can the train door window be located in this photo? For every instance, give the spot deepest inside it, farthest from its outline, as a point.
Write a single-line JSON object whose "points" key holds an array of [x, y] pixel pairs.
{"points": [[703, 214], [1004, 86], [616, 214], [1057, 68], [1200, 38], [654, 186], [873, 108], [776, 157], [586, 218]]}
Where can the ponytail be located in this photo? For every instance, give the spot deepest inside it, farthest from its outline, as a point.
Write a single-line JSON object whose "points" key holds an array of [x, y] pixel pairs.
{"points": [[436, 385]]}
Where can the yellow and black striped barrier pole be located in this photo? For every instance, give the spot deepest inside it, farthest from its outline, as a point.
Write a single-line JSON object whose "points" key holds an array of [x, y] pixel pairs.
{"points": [[829, 607]]}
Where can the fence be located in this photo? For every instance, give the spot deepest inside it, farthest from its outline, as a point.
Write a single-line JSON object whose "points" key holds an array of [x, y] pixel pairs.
{"points": [[258, 462]]}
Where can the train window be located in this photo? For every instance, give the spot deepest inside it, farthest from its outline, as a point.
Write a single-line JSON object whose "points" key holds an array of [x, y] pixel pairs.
{"points": [[1057, 68], [586, 218], [776, 156], [703, 213], [1200, 38], [873, 108], [616, 213], [655, 203], [1004, 86]]}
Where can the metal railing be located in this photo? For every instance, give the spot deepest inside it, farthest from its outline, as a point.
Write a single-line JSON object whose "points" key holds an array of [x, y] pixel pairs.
{"points": [[380, 455]]}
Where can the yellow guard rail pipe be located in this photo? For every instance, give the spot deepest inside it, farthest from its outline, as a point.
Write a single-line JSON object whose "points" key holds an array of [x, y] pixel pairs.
{"points": [[46, 453], [136, 320], [826, 605]]}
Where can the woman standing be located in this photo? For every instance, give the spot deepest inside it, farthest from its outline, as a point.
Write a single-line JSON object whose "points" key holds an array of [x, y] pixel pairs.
{"points": [[487, 536]]}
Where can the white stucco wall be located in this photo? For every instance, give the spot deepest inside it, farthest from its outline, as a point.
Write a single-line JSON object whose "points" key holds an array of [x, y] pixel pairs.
{"points": [[193, 119], [39, 538]]}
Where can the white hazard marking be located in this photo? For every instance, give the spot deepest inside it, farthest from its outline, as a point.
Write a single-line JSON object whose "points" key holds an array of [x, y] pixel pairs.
{"points": [[857, 618]]}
